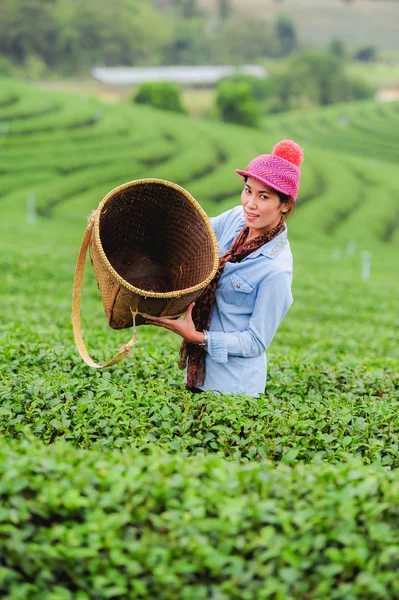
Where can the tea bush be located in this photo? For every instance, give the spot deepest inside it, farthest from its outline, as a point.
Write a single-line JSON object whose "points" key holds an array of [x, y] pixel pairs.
{"points": [[78, 525], [164, 95], [121, 483]]}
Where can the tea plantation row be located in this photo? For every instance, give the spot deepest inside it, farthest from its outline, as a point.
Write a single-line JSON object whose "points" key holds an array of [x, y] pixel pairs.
{"points": [[121, 483], [76, 524], [76, 148]]}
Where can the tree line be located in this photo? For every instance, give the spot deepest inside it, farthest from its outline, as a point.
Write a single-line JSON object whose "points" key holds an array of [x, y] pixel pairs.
{"points": [[70, 37], [307, 79]]}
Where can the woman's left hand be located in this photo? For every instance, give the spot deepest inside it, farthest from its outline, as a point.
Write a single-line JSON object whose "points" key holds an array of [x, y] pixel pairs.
{"points": [[184, 327]]}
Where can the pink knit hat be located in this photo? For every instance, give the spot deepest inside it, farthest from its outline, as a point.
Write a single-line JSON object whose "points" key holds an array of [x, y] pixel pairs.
{"points": [[279, 170]]}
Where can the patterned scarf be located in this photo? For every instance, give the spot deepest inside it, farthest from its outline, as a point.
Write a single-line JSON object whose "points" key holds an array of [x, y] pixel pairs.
{"points": [[203, 307]]}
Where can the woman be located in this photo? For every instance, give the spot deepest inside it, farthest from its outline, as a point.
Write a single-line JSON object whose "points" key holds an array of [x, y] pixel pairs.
{"points": [[230, 326]]}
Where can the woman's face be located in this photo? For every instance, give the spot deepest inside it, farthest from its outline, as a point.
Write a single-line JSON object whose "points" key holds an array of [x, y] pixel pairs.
{"points": [[262, 206]]}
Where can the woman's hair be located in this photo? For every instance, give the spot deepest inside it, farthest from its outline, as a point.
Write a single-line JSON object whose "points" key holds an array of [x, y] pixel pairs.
{"points": [[284, 199]]}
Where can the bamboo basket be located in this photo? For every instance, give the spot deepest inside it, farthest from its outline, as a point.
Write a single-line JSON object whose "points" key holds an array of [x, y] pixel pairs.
{"points": [[153, 251]]}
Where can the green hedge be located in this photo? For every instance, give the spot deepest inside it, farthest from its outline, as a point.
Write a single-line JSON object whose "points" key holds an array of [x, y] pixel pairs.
{"points": [[308, 412], [76, 524], [162, 94]]}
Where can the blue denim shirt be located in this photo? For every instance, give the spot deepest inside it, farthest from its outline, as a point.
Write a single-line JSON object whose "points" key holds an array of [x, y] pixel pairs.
{"points": [[252, 298]]}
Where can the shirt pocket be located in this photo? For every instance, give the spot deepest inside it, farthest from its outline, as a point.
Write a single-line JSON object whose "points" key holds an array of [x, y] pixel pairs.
{"points": [[236, 290]]}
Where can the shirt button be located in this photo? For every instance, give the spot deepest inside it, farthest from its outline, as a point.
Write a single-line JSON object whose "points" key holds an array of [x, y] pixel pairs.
{"points": [[238, 286]]}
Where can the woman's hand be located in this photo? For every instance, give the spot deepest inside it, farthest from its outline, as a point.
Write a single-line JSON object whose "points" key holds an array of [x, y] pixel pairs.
{"points": [[184, 327]]}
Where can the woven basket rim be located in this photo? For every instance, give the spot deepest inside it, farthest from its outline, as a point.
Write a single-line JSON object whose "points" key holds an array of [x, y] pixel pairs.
{"points": [[197, 206]]}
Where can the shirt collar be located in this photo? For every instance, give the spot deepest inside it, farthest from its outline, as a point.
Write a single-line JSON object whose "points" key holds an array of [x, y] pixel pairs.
{"points": [[270, 249]]}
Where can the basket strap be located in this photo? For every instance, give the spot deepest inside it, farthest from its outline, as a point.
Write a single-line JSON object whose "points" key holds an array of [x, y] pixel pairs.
{"points": [[76, 296]]}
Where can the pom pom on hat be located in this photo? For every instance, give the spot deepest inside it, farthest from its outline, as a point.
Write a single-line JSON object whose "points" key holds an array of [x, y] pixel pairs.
{"points": [[289, 150]]}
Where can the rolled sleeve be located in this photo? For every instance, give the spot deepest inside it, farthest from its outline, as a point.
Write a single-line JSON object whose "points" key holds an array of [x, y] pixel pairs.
{"points": [[217, 346]]}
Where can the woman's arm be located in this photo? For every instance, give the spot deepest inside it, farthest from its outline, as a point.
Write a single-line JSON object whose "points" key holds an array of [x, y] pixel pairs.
{"points": [[271, 305], [272, 302], [184, 327]]}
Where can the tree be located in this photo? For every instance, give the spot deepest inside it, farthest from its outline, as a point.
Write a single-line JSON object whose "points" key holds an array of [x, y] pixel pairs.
{"points": [[122, 32], [236, 103], [320, 73], [188, 45], [18, 38], [285, 34], [260, 87], [164, 95], [224, 9], [188, 9], [367, 54], [337, 48], [242, 39], [314, 79], [73, 36]]}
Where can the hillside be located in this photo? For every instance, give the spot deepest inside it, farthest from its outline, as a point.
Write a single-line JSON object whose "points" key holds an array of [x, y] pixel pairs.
{"points": [[71, 151], [120, 483], [358, 22]]}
